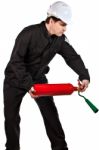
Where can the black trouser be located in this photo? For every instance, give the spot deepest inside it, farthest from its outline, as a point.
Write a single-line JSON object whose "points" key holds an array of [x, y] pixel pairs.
{"points": [[12, 100]]}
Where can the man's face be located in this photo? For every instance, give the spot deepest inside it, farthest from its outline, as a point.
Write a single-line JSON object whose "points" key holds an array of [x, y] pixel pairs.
{"points": [[58, 27]]}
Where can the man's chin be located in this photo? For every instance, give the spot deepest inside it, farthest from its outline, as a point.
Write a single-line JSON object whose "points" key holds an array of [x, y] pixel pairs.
{"points": [[60, 34]]}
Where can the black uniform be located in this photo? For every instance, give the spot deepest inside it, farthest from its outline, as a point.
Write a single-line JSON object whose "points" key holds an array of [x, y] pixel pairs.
{"points": [[33, 51]]}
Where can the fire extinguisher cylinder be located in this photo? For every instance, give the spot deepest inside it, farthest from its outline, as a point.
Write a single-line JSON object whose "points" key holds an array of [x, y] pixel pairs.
{"points": [[54, 89]]}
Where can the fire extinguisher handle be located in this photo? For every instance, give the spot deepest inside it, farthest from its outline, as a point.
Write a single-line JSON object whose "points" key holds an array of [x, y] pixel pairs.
{"points": [[89, 103]]}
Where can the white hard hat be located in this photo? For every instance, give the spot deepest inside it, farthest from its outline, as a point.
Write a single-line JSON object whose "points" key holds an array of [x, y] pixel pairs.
{"points": [[60, 10]]}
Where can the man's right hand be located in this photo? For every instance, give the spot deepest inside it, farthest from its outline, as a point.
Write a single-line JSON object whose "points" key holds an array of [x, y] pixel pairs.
{"points": [[31, 93]]}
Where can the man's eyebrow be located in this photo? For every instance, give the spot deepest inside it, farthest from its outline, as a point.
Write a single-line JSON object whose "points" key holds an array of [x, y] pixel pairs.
{"points": [[63, 23]]}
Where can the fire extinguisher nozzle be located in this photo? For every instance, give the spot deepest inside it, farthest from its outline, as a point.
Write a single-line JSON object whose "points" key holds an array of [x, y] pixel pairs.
{"points": [[76, 88]]}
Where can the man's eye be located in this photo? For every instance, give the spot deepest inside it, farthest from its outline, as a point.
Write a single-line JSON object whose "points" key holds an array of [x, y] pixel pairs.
{"points": [[63, 24]]}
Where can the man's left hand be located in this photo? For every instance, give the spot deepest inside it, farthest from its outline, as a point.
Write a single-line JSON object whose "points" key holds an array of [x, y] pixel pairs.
{"points": [[83, 85]]}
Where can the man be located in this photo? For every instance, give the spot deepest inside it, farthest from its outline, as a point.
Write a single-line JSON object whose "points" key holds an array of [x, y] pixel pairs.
{"points": [[34, 48]]}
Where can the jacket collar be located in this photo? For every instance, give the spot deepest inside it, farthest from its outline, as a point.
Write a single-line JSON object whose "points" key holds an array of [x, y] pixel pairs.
{"points": [[45, 32]]}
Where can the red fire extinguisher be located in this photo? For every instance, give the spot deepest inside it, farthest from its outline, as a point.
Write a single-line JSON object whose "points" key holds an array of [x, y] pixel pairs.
{"points": [[60, 89], [54, 89]]}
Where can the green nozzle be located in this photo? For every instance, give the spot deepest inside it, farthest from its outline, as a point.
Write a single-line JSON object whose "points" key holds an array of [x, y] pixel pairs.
{"points": [[90, 104]]}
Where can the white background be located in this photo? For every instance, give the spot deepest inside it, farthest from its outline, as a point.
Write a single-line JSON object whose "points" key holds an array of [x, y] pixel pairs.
{"points": [[81, 125]]}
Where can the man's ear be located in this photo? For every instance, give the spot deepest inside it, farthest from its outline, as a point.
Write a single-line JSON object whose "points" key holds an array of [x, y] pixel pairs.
{"points": [[51, 20]]}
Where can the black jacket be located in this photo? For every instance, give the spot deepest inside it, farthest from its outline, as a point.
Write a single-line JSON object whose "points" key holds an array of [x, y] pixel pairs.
{"points": [[32, 52]]}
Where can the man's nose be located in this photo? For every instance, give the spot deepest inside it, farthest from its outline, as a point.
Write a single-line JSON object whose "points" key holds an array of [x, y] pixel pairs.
{"points": [[64, 28]]}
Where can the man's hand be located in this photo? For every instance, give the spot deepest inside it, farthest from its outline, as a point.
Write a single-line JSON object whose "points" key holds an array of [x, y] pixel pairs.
{"points": [[31, 93], [83, 85]]}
